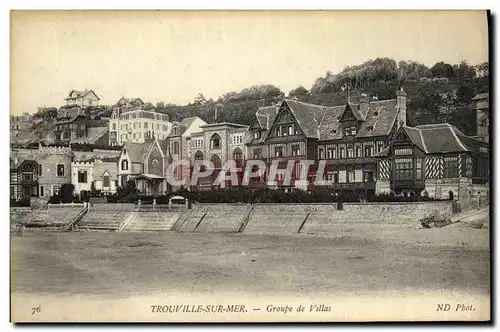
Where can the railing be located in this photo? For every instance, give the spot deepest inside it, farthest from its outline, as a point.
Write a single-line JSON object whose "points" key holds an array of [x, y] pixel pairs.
{"points": [[351, 186], [76, 219]]}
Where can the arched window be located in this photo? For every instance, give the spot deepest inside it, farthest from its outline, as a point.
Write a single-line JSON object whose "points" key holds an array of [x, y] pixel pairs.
{"points": [[198, 155], [237, 154], [215, 142], [216, 161], [155, 162], [124, 165]]}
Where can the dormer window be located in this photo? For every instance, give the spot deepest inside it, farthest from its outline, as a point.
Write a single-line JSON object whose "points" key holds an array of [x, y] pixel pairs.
{"points": [[256, 135]]}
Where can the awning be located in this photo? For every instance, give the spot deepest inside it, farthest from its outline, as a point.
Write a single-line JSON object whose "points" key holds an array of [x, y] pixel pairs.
{"points": [[149, 177]]}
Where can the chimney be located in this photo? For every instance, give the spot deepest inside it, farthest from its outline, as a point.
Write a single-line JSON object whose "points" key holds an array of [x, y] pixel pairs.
{"points": [[364, 104], [401, 106]]}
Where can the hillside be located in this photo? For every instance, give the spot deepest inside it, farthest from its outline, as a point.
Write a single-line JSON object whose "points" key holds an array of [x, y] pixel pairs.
{"points": [[441, 93]]}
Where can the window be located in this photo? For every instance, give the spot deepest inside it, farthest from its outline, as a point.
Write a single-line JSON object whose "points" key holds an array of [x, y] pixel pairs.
{"points": [[145, 125], [329, 153], [114, 126], [28, 177], [329, 176], [133, 135], [60, 170], [105, 181], [135, 125], [176, 147], [321, 153], [237, 154], [176, 131], [403, 152], [56, 189], [358, 151], [342, 152], [368, 176], [215, 142], [368, 151], [41, 191], [82, 176], [124, 165], [256, 135], [278, 151], [198, 155], [450, 167], [403, 168], [257, 153], [335, 177], [290, 130], [418, 166], [12, 192], [296, 150], [353, 131], [40, 170], [351, 176], [350, 153]]}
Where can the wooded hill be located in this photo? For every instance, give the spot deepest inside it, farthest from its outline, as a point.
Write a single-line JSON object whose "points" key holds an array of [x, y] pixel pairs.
{"points": [[441, 93]]}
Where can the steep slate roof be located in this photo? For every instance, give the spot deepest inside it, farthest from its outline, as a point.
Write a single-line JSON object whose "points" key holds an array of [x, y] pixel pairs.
{"points": [[440, 138], [187, 122], [265, 116], [81, 94], [135, 151], [481, 96], [110, 166], [322, 122]]}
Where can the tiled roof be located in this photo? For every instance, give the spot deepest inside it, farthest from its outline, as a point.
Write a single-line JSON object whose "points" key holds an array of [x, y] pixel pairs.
{"points": [[187, 122], [480, 96], [135, 151], [442, 138], [80, 94], [110, 166], [322, 122]]}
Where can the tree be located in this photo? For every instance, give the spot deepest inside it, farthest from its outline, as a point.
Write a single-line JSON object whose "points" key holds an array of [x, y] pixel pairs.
{"points": [[66, 192], [442, 69], [200, 100], [147, 106], [299, 93], [160, 105]]}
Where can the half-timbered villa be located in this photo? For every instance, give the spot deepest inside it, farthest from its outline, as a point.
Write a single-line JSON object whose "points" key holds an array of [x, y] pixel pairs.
{"points": [[437, 160], [345, 136]]}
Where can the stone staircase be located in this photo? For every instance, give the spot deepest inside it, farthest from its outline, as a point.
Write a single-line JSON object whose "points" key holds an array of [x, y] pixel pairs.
{"points": [[102, 220], [153, 221]]}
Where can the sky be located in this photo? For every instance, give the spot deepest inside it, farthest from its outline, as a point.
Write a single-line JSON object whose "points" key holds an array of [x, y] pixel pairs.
{"points": [[171, 56]]}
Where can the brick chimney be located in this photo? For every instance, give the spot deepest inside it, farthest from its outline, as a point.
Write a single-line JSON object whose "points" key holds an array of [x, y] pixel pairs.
{"points": [[401, 106], [364, 104]]}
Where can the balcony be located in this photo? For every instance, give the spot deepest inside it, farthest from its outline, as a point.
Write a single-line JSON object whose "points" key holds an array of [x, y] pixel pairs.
{"points": [[480, 180]]}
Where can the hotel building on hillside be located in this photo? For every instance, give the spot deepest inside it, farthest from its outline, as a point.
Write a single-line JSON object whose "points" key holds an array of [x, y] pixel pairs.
{"points": [[137, 125]]}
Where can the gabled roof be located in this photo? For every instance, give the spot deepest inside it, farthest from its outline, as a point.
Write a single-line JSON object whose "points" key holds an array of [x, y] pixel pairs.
{"points": [[80, 94], [481, 96], [187, 122], [265, 116], [70, 120], [135, 151], [131, 100], [322, 122], [442, 138]]}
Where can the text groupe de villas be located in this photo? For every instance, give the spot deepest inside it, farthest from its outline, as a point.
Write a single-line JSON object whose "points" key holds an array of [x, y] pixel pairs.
{"points": [[230, 167]]}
